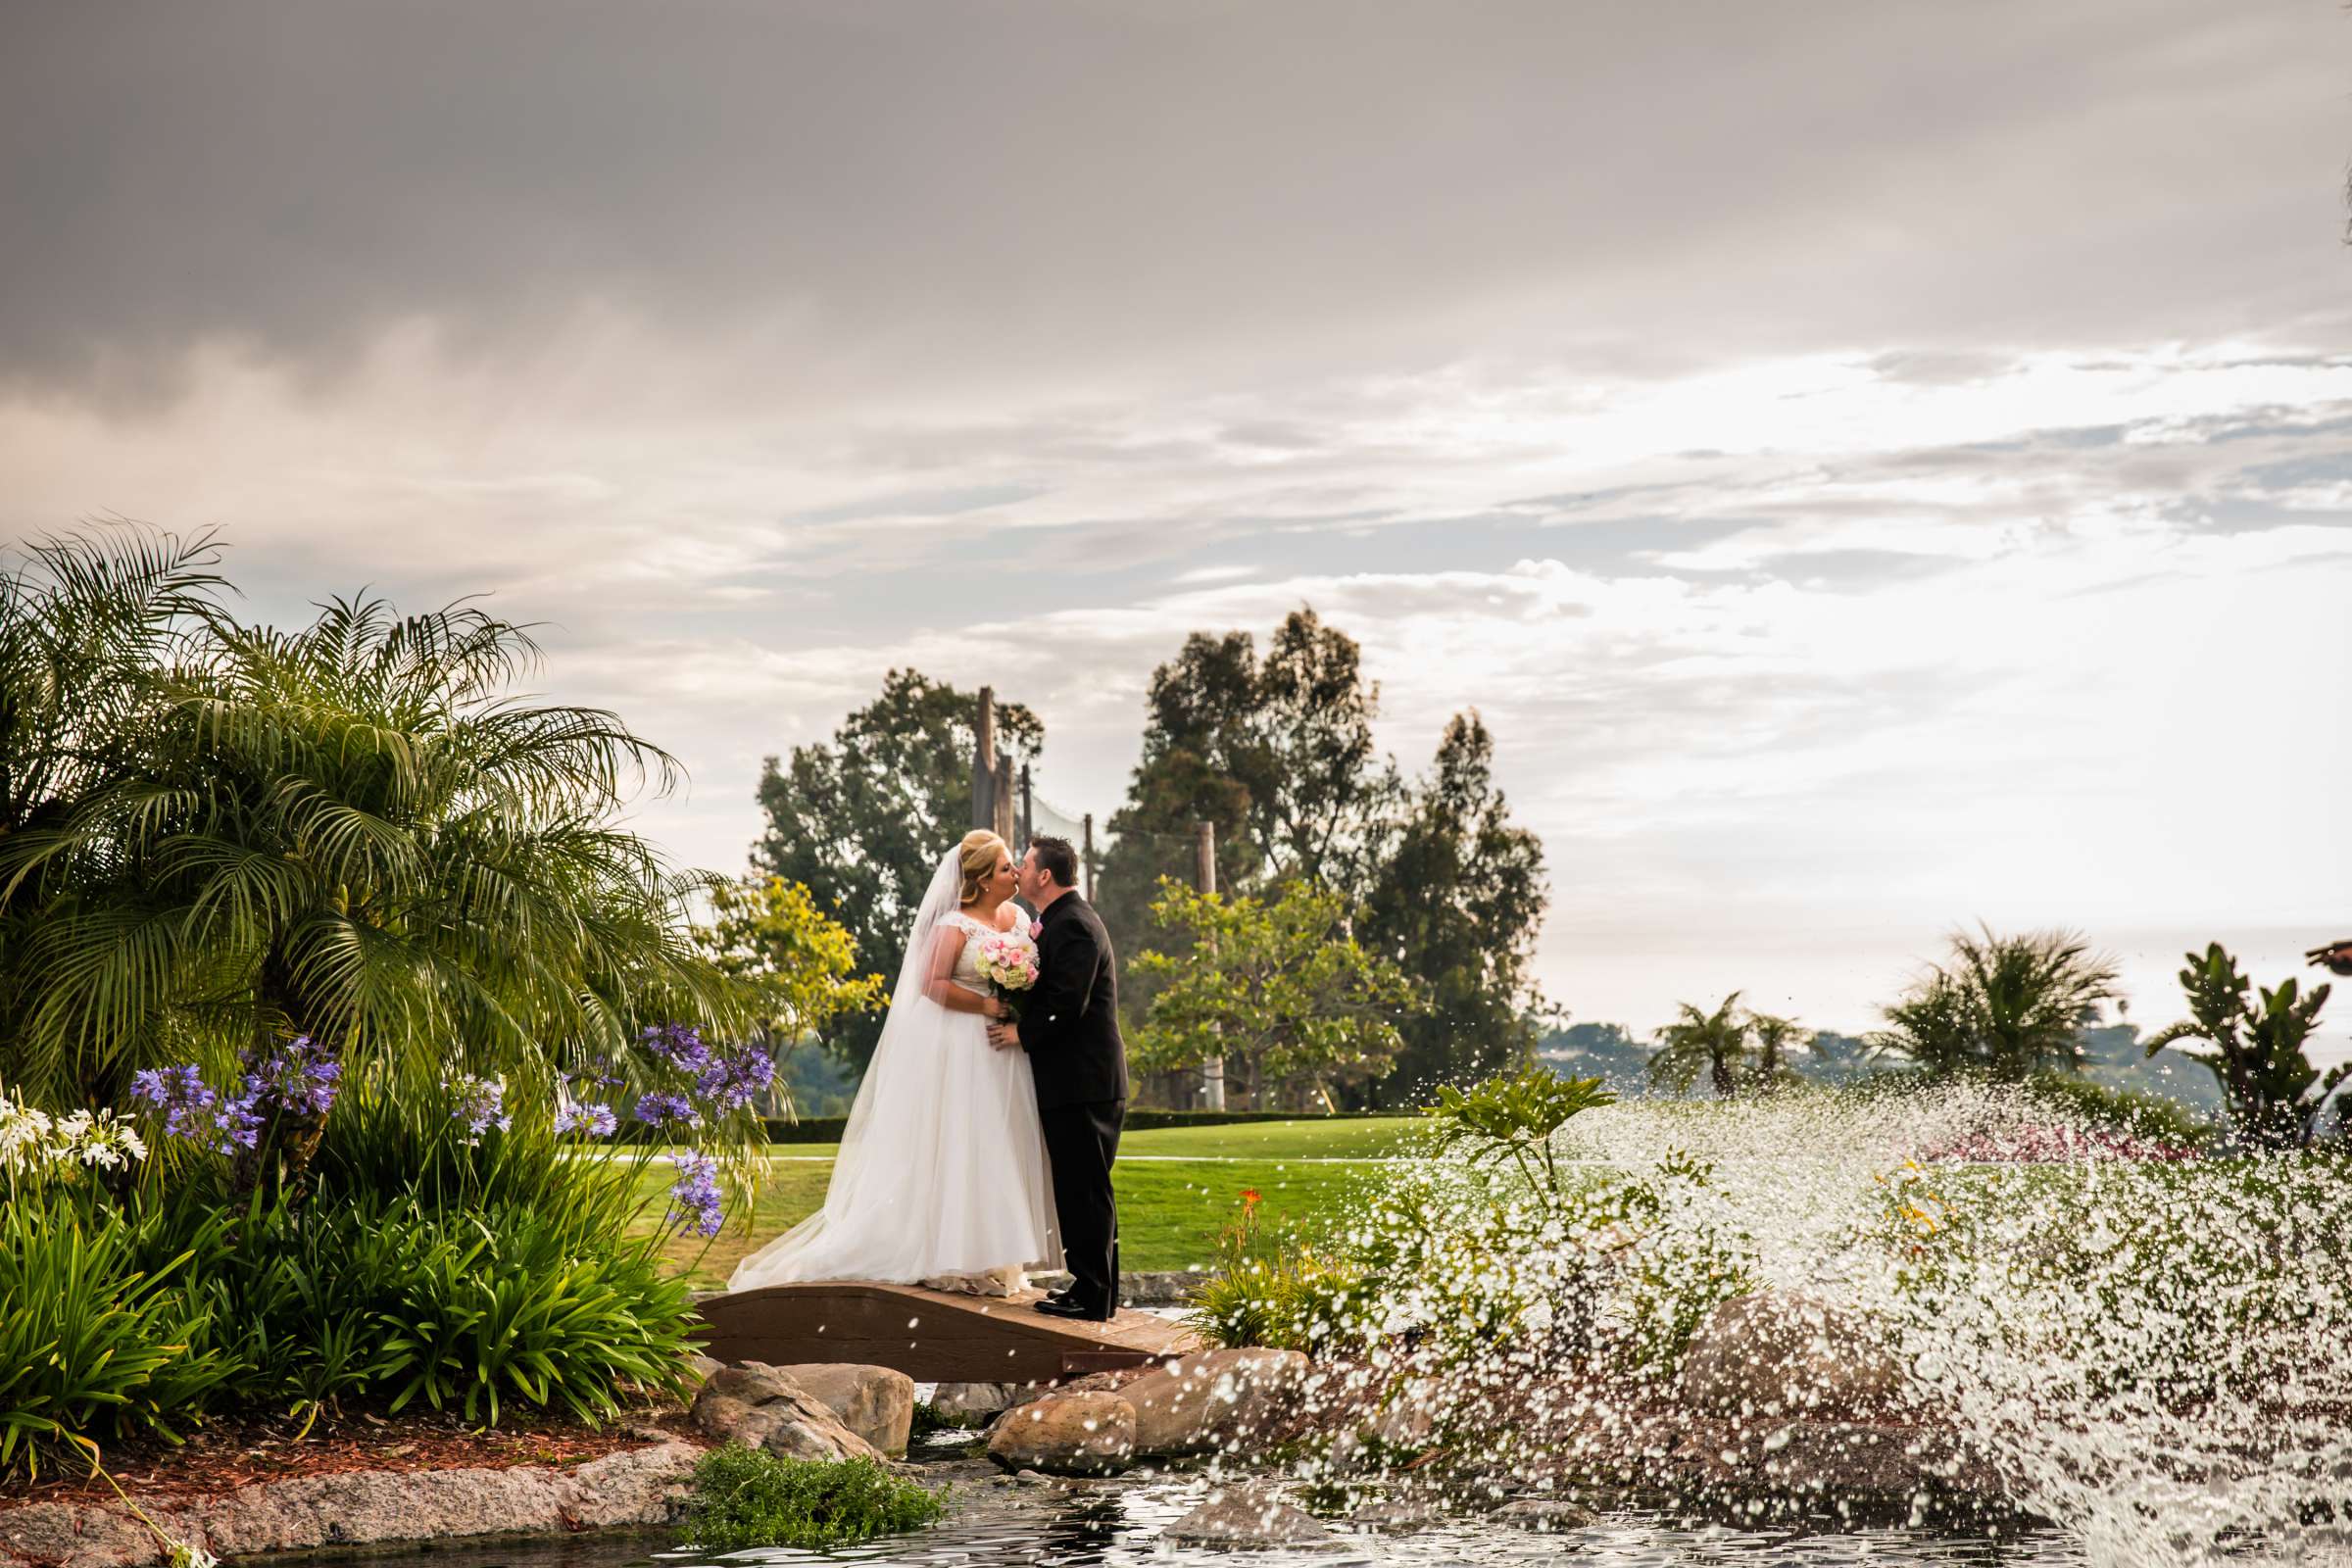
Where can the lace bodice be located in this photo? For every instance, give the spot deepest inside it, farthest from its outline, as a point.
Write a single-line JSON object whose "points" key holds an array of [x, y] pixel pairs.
{"points": [[966, 972]]}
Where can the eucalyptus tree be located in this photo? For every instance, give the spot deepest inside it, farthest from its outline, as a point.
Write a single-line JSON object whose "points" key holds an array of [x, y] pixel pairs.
{"points": [[353, 832]]}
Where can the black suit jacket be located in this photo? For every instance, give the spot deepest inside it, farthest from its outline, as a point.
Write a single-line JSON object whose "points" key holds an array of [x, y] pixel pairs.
{"points": [[1070, 1020]]}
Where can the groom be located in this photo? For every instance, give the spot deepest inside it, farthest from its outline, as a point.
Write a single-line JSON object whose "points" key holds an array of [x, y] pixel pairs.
{"points": [[1069, 1026]]}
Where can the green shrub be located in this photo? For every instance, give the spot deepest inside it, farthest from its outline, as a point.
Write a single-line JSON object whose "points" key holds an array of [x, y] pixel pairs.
{"points": [[409, 1268], [749, 1498], [91, 1343], [1299, 1302]]}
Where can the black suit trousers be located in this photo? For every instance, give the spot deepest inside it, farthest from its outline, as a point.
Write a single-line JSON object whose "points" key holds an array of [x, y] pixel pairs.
{"points": [[1081, 1142]]}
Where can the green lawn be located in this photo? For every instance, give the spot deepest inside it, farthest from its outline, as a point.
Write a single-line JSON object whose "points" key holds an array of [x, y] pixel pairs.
{"points": [[1178, 1188]]}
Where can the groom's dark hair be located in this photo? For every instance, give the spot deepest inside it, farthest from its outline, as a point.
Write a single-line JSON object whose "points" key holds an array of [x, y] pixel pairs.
{"points": [[1057, 859]]}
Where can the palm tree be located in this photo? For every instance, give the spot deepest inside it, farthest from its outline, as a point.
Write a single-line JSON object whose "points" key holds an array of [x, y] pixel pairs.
{"points": [[1776, 1038], [1716, 1041], [2006, 1005], [349, 832]]}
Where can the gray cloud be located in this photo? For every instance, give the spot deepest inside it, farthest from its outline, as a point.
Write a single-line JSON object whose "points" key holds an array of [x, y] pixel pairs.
{"points": [[841, 199]]}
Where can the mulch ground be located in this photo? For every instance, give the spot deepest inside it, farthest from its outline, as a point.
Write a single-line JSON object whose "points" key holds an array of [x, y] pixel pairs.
{"points": [[234, 1451]]}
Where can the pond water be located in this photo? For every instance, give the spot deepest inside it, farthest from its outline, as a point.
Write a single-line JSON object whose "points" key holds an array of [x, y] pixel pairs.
{"points": [[1109, 1524]]}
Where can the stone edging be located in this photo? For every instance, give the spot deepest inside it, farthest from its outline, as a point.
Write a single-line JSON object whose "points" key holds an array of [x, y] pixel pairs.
{"points": [[636, 1487]]}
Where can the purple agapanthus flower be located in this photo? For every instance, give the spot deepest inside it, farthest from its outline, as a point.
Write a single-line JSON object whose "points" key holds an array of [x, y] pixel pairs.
{"points": [[195, 1111], [598, 1120], [678, 1043], [695, 1202], [478, 1102], [733, 1082], [297, 1079], [659, 1109]]}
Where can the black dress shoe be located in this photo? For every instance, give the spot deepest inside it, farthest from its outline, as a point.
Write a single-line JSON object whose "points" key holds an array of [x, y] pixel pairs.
{"points": [[1061, 1306]]}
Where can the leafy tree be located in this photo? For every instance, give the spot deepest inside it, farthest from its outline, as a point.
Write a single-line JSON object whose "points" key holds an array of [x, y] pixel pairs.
{"points": [[1457, 904], [797, 963], [861, 822], [351, 832], [2005, 1006], [2257, 1056], [1278, 983], [1276, 752], [1716, 1042]]}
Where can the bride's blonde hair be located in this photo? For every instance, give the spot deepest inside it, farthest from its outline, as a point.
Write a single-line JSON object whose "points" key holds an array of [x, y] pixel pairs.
{"points": [[977, 856]]}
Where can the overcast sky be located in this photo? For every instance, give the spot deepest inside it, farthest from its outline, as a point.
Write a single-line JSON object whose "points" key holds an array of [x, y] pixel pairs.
{"points": [[1875, 466]]}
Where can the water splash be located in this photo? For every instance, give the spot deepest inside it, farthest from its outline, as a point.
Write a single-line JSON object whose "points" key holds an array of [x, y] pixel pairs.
{"points": [[2150, 1352]]}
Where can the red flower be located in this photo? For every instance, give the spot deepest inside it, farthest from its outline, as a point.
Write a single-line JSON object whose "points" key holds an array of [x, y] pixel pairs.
{"points": [[1249, 1196]]}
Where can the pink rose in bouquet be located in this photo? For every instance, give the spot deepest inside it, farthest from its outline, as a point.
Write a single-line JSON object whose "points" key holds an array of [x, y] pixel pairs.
{"points": [[1007, 961]]}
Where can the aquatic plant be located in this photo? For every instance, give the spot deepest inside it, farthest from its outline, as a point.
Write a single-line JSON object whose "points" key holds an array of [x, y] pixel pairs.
{"points": [[744, 1498]]}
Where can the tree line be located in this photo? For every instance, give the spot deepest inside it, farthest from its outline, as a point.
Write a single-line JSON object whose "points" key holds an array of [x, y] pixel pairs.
{"points": [[1373, 930]]}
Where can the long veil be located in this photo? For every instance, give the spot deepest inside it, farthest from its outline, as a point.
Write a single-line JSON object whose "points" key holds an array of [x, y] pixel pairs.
{"points": [[913, 1024], [907, 1146]]}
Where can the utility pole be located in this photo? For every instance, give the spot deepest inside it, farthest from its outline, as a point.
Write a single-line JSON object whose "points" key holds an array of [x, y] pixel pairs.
{"points": [[1205, 876], [1028, 813], [1087, 852], [1001, 799], [984, 760]]}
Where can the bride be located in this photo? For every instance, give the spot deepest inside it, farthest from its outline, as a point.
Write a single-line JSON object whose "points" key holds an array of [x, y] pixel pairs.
{"points": [[942, 1178]]}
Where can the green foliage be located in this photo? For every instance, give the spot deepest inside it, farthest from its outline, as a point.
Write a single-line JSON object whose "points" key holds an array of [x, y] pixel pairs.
{"points": [[1279, 984], [351, 831], [744, 1498], [2005, 1007], [93, 1344], [1270, 1290], [412, 1269], [797, 963], [1514, 1118], [2258, 1048], [861, 822]]}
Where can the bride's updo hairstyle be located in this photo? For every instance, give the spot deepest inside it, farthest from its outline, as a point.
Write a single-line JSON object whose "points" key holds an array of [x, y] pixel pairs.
{"points": [[978, 858]]}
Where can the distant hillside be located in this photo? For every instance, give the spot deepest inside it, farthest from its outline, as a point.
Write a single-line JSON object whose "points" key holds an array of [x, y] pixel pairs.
{"points": [[1609, 1052]]}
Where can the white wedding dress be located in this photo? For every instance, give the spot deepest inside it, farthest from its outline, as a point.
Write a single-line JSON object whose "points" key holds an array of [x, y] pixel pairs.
{"points": [[942, 1176]]}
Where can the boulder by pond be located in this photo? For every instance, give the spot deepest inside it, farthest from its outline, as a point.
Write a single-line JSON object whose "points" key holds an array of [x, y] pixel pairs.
{"points": [[873, 1401], [762, 1407], [1218, 1401], [1251, 1519], [1788, 1354], [974, 1404], [1067, 1434]]}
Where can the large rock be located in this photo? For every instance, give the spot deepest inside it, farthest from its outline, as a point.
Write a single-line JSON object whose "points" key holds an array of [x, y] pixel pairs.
{"points": [[1543, 1515], [873, 1401], [1067, 1434], [762, 1407], [1250, 1519], [1219, 1401], [1787, 1355], [972, 1404]]}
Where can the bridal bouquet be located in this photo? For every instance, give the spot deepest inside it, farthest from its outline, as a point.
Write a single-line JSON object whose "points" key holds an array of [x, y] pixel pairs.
{"points": [[1007, 961]]}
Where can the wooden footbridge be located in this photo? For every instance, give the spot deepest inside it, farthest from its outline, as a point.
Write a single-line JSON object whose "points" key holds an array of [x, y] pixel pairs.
{"points": [[931, 1336]]}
